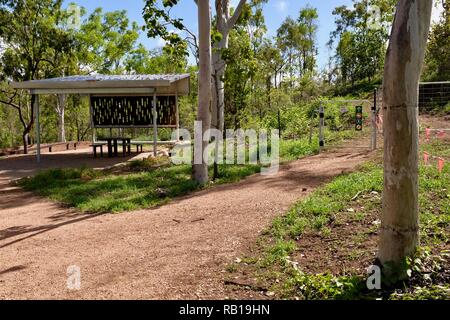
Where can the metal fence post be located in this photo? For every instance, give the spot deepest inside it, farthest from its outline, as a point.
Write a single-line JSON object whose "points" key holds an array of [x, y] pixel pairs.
{"points": [[374, 121]]}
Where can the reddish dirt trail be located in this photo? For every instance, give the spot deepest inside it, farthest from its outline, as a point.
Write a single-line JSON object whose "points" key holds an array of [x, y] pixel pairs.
{"points": [[179, 250]]}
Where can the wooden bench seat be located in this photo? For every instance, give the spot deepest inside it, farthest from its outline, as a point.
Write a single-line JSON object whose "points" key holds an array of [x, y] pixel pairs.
{"points": [[139, 146], [99, 145], [67, 144]]}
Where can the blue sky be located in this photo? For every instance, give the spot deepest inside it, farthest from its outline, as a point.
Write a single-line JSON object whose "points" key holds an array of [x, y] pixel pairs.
{"points": [[275, 12]]}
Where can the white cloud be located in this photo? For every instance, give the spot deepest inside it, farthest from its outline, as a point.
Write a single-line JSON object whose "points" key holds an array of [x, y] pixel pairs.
{"points": [[281, 5], [160, 42]]}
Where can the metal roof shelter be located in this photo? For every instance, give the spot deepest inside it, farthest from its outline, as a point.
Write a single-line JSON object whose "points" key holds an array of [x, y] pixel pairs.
{"points": [[119, 101]]}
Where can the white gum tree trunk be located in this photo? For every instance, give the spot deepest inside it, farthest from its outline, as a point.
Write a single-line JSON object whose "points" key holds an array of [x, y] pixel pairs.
{"points": [[60, 110], [225, 23], [200, 170], [399, 226], [218, 65]]}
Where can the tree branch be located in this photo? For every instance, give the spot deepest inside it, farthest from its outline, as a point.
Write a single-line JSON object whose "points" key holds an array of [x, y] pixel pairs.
{"points": [[10, 102], [15, 106], [236, 14]]}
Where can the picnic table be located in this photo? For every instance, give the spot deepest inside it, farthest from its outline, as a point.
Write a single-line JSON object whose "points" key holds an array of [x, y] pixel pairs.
{"points": [[113, 143]]}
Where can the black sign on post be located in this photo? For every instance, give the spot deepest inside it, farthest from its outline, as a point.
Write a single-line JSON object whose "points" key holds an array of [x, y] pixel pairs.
{"points": [[359, 118]]}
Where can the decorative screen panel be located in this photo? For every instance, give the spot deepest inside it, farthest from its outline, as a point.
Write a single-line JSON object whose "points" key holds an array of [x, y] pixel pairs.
{"points": [[132, 111]]}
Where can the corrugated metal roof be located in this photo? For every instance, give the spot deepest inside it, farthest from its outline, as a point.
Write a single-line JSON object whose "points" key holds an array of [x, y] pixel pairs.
{"points": [[102, 77], [99, 83]]}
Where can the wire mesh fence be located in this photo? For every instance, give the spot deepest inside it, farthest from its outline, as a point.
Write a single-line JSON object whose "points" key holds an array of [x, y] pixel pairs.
{"points": [[434, 95]]}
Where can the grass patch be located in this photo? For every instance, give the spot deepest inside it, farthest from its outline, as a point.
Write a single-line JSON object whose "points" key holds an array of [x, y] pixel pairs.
{"points": [[97, 191], [428, 280], [321, 207], [295, 149]]}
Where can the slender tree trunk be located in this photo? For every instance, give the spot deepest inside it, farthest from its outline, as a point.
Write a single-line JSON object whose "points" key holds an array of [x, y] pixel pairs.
{"points": [[224, 25], [218, 97], [60, 110], [27, 127], [404, 59], [218, 84], [200, 170], [25, 142]]}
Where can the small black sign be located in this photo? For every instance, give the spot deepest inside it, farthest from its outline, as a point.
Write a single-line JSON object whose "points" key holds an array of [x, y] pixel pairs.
{"points": [[359, 118]]}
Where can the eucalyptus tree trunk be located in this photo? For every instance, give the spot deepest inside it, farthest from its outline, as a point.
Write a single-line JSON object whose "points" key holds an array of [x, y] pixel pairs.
{"points": [[225, 23], [399, 226], [60, 110], [200, 170]]}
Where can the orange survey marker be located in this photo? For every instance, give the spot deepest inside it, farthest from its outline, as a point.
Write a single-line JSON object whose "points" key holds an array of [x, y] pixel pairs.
{"points": [[427, 134], [441, 163], [426, 156], [379, 122]]}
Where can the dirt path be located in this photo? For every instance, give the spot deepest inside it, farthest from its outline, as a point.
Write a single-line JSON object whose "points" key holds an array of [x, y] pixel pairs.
{"points": [[176, 251]]}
